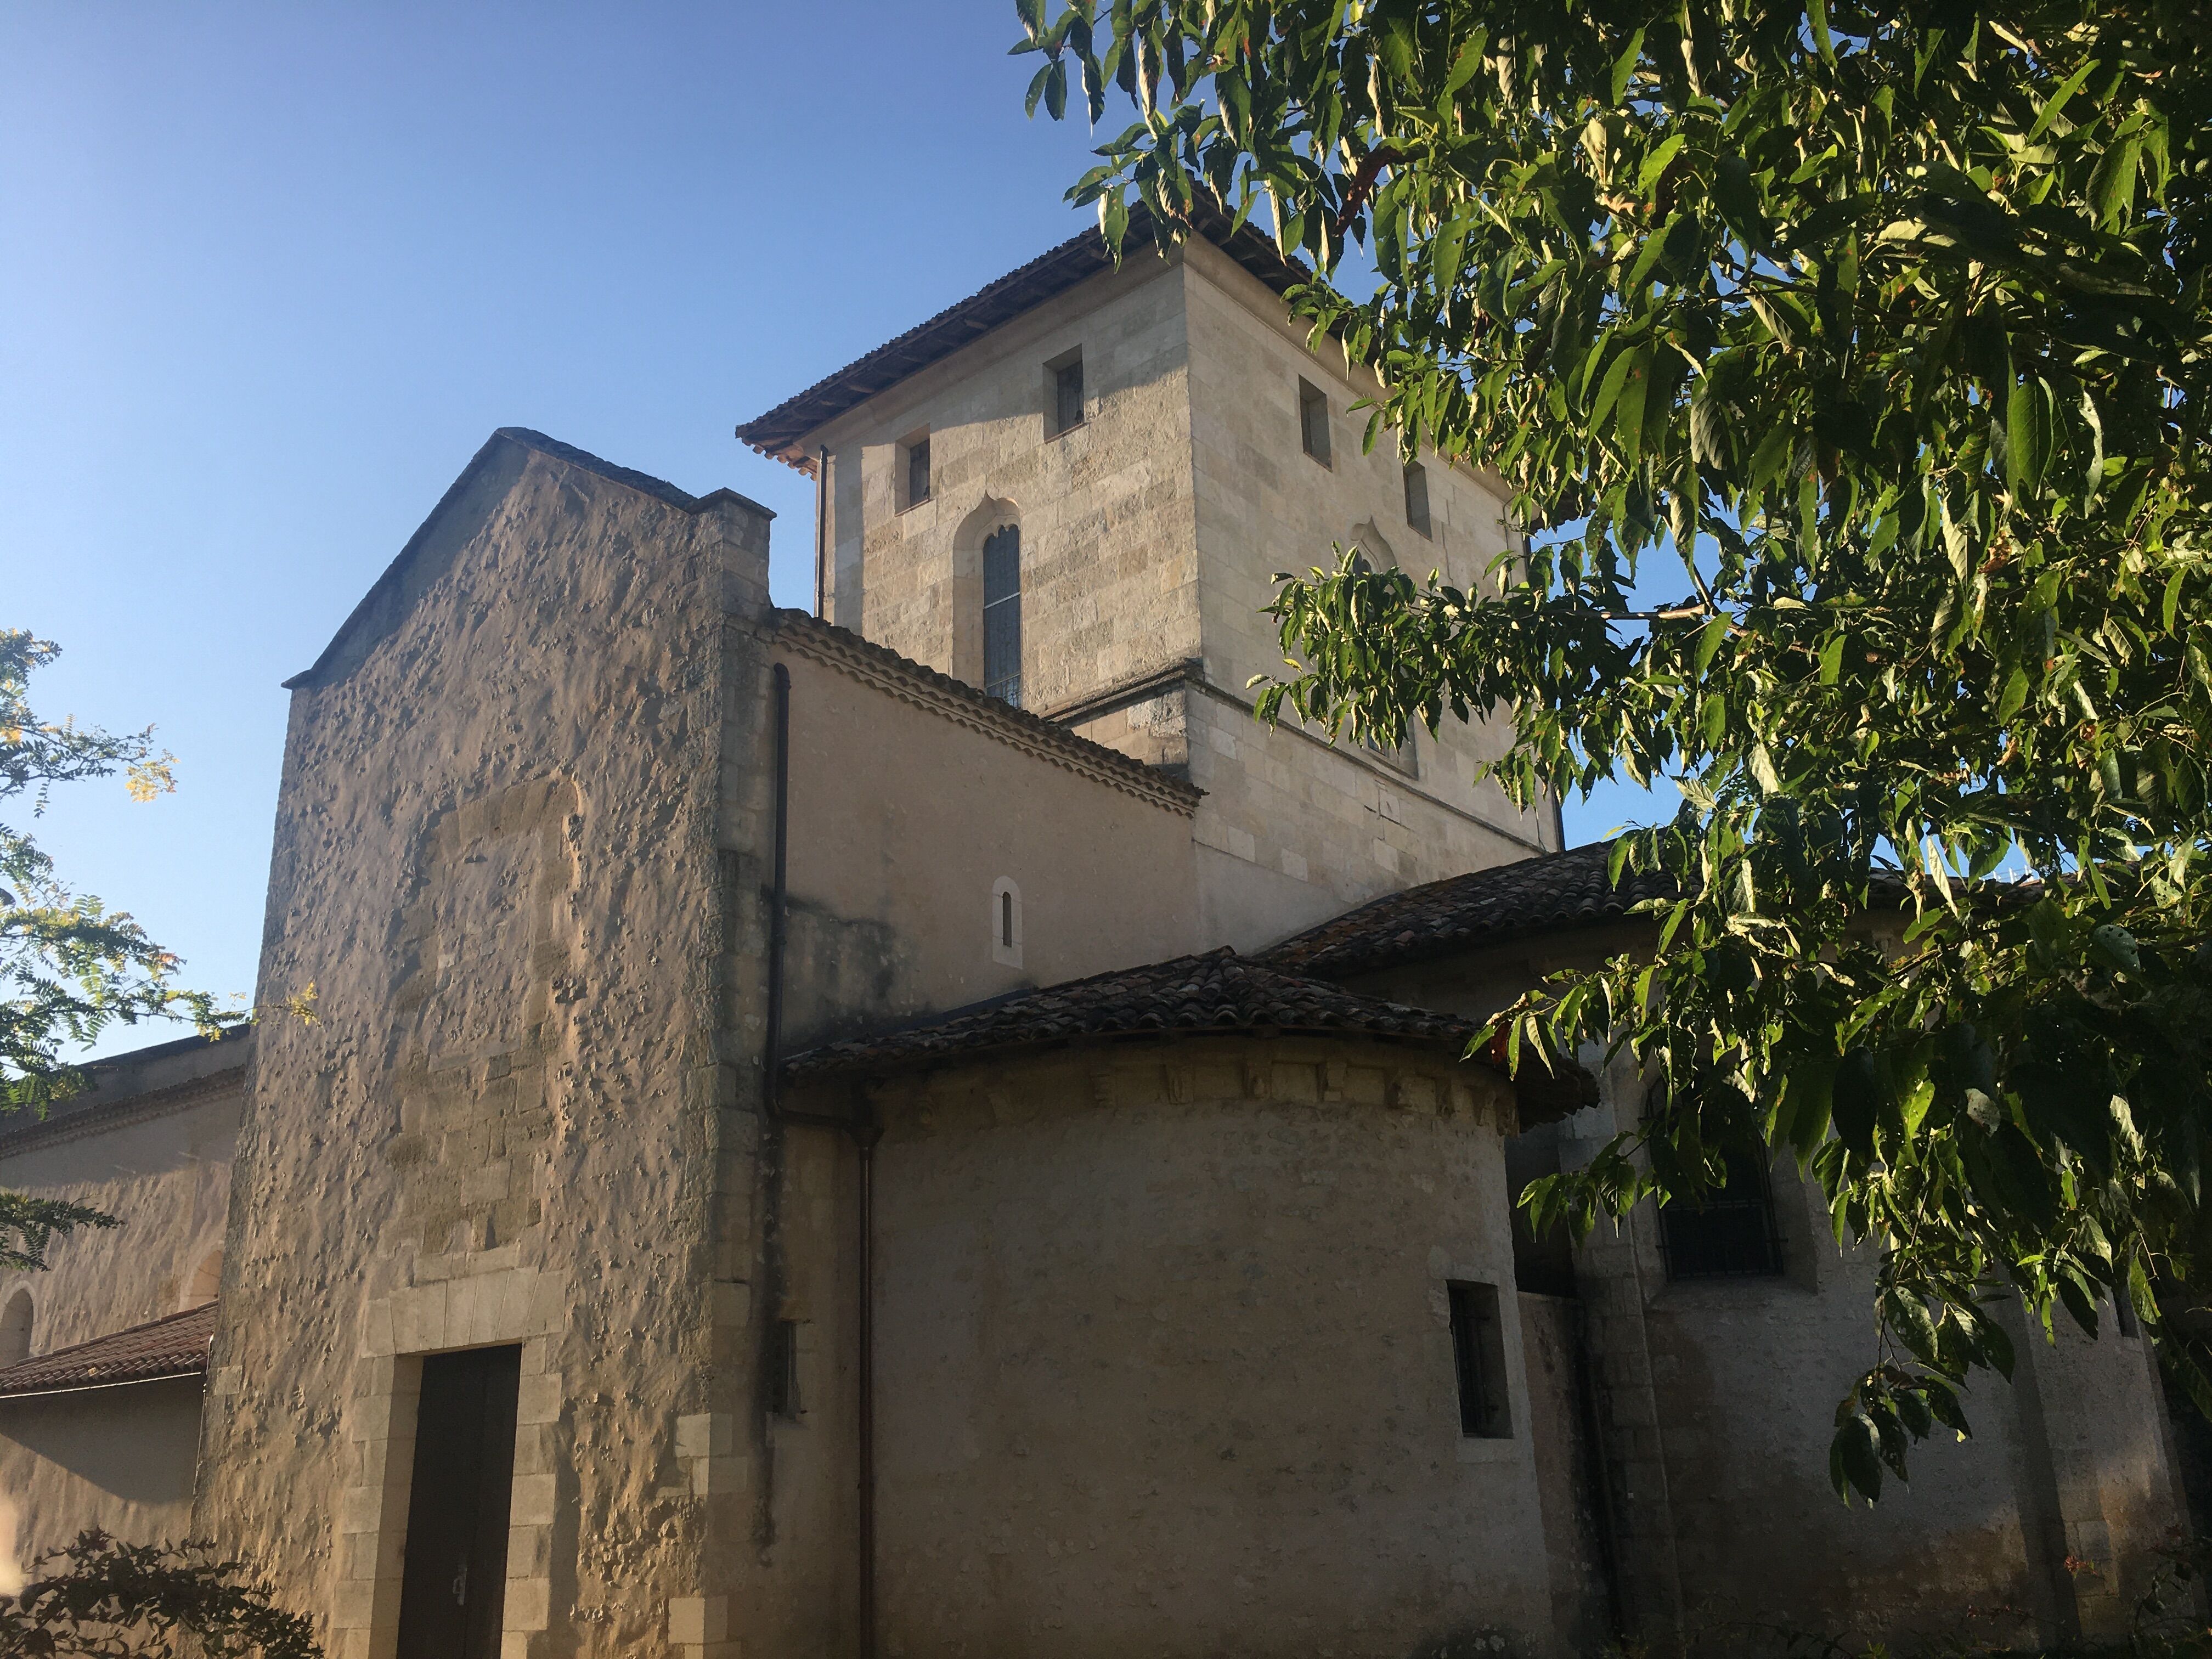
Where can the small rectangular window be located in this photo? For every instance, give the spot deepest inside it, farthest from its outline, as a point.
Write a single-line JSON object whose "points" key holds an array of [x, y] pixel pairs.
{"points": [[783, 1369], [1730, 1236], [1478, 1356], [915, 484], [1417, 496], [1313, 420], [1064, 381]]}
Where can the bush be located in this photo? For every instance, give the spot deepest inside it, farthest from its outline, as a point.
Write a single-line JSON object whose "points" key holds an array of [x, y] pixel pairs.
{"points": [[101, 1599]]}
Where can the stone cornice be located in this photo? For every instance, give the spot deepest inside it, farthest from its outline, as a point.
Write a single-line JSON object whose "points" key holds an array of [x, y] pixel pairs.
{"points": [[912, 682], [102, 1117]]}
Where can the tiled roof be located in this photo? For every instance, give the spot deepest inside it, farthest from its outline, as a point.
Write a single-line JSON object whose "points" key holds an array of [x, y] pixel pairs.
{"points": [[1190, 996], [776, 433], [175, 1346], [919, 683], [1553, 890]]}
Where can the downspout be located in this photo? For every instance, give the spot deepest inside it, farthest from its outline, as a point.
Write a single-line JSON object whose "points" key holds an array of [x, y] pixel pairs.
{"points": [[865, 1132], [772, 1044], [821, 530]]}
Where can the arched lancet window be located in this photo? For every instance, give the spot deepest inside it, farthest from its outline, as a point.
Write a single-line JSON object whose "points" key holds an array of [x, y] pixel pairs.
{"points": [[1002, 613], [15, 1329], [206, 1282]]}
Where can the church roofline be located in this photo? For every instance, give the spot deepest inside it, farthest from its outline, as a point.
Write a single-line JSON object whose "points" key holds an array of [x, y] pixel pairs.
{"points": [[923, 686], [777, 432], [1219, 993], [644, 482]]}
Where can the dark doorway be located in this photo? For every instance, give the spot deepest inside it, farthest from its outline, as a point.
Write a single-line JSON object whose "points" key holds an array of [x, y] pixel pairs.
{"points": [[455, 1587]]}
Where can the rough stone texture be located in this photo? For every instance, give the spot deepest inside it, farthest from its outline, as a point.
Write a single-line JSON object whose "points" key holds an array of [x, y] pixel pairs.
{"points": [[496, 861], [1165, 1356]]}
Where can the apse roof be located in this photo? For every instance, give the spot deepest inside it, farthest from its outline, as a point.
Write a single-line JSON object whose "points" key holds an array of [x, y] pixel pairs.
{"points": [[1219, 992], [1486, 907]]}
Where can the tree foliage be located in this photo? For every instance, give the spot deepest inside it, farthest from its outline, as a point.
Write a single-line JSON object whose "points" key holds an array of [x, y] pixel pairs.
{"points": [[1875, 339], [99, 1599], [70, 967]]}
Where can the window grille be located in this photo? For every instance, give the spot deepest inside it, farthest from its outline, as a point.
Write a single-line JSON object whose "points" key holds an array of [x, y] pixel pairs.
{"points": [[1002, 614], [1067, 396], [1313, 420], [1417, 497], [1731, 1236], [917, 472], [1479, 1358]]}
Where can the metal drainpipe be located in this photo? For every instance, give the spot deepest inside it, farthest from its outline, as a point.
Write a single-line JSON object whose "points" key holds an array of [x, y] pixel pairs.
{"points": [[865, 1136], [821, 529], [864, 1133]]}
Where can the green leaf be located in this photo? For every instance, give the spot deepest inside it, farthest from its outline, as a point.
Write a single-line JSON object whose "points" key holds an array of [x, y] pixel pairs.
{"points": [[1624, 68], [1737, 197], [1657, 162], [2112, 186], [1628, 421], [1710, 639], [2015, 696], [2057, 101]]}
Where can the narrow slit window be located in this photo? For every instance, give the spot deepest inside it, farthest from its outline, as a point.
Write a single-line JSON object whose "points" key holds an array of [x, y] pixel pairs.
{"points": [[1006, 921], [917, 472], [1417, 496], [1479, 1358], [783, 1370], [1731, 1235], [1066, 377], [1002, 614], [1313, 420]]}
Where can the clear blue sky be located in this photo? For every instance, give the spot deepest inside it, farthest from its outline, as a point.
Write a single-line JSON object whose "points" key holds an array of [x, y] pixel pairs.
{"points": [[269, 274]]}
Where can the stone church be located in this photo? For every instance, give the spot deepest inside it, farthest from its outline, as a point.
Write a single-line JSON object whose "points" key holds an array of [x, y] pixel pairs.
{"points": [[919, 1127]]}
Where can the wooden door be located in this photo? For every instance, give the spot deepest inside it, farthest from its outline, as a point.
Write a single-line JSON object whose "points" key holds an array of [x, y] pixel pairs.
{"points": [[455, 1585]]}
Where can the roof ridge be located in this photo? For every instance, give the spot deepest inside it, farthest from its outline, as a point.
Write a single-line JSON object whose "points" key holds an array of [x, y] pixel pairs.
{"points": [[840, 648], [1076, 1010], [999, 301]]}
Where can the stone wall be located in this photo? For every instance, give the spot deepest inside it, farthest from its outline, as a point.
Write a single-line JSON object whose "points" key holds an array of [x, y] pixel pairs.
{"points": [[1108, 558], [944, 848], [499, 862], [1165, 1359], [1715, 1400], [149, 1143], [1155, 531]]}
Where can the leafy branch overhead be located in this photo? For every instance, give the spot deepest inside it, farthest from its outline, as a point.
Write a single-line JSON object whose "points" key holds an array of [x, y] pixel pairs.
{"points": [[69, 968], [1874, 341]]}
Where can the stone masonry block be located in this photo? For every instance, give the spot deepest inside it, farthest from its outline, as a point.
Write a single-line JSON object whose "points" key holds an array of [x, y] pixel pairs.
{"points": [[529, 1552], [714, 1476], [539, 1399], [376, 1340], [705, 1434], [418, 1318], [693, 1620], [529, 1603], [533, 1502]]}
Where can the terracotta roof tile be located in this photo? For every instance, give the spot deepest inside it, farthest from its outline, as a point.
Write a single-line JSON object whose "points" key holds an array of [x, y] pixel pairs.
{"points": [[1219, 992], [174, 1347], [1553, 890]]}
